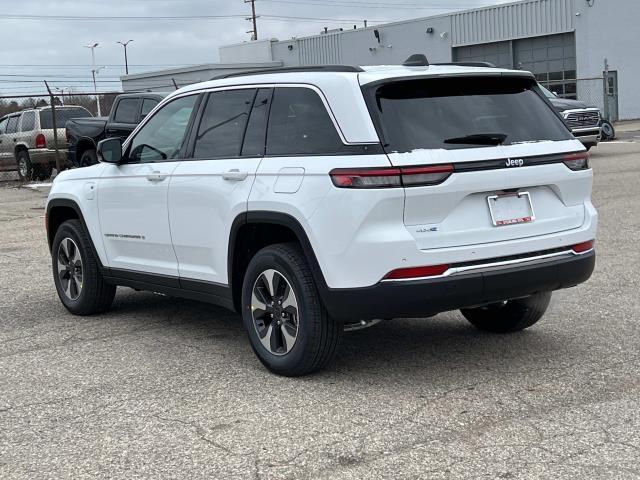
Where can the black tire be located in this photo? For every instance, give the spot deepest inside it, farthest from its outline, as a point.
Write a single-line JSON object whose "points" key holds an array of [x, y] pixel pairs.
{"points": [[88, 158], [24, 166], [317, 335], [95, 295], [42, 172], [510, 316], [607, 132], [588, 147]]}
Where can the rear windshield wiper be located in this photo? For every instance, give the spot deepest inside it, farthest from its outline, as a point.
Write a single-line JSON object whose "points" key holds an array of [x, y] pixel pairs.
{"points": [[479, 139]]}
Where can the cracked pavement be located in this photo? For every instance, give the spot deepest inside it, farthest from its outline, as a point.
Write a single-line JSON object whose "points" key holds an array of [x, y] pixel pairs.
{"points": [[167, 388]]}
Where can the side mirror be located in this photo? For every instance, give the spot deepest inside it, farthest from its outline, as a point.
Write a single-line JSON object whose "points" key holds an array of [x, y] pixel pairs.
{"points": [[110, 150]]}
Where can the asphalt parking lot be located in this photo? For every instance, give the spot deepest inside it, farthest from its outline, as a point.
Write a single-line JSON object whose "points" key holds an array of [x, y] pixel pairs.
{"points": [[166, 388]]}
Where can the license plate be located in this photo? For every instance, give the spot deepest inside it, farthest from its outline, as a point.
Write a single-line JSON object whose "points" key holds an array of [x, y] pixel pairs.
{"points": [[511, 209]]}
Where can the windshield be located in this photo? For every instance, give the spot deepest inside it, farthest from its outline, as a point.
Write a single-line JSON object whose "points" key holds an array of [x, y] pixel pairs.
{"points": [[463, 112], [62, 115]]}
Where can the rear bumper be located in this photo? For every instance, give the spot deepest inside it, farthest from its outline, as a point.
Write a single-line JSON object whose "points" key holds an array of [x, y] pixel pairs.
{"points": [[420, 298], [45, 156]]}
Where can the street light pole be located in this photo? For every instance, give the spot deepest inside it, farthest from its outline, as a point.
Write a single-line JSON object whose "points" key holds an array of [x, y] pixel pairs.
{"points": [[126, 62], [93, 73]]}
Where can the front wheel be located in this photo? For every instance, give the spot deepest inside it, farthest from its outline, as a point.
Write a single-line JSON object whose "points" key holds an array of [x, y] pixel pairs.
{"points": [[79, 282], [509, 316], [287, 324], [607, 131]]}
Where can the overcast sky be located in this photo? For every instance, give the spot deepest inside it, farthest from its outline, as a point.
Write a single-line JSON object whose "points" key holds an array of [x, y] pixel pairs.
{"points": [[35, 48]]}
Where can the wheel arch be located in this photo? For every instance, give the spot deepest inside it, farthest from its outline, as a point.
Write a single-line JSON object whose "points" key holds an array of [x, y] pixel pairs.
{"points": [[59, 210], [84, 144], [252, 231]]}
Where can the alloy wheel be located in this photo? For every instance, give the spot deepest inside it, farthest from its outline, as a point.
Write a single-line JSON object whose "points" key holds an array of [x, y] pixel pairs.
{"points": [[22, 167], [70, 268], [274, 309]]}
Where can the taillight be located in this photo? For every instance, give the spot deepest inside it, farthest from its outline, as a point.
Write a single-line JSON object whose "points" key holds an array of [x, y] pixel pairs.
{"points": [[577, 161], [416, 272], [429, 175], [41, 141], [582, 247], [390, 177]]}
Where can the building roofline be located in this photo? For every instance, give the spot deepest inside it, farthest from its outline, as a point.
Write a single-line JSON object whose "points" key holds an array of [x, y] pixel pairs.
{"points": [[199, 68]]}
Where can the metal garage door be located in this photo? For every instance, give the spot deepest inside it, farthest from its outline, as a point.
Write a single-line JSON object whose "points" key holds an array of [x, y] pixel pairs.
{"points": [[552, 59], [498, 53]]}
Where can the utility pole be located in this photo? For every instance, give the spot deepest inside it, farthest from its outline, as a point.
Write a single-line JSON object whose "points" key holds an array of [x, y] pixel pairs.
{"points": [[126, 62], [253, 18], [93, 73]]}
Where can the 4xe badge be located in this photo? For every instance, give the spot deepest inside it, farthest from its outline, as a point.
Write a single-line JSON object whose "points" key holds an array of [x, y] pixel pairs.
{"points": [[514, 162]]}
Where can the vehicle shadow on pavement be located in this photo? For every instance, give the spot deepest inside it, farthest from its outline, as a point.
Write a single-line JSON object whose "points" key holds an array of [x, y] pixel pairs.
{"points": [[433, 346]]}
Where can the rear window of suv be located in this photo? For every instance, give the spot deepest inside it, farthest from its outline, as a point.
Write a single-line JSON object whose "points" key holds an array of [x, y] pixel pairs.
{"points": [[466, 112], [62, 115]]}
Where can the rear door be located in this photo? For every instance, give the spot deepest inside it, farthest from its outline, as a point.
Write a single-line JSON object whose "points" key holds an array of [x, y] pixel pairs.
{"points": [[125, 118], [10, 138], [483, 158], [4, 152], [208, 192]]}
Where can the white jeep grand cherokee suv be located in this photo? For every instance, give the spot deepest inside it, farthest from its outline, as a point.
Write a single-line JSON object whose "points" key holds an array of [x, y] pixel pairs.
{"points": [[312, 197]]}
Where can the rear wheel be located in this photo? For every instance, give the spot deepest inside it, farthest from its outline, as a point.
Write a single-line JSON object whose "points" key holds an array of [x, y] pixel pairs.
{"points": [[287, 324], [42, 172], [88, 158], [509, 316], [80, 285], [24, 166]]}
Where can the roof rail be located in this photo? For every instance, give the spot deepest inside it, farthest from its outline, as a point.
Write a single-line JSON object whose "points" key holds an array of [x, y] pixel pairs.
{"points": [[311, 68], [469, 64]]}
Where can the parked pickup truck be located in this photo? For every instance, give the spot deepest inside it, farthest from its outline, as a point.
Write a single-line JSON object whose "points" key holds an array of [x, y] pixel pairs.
{"points": [[83, 134], [583, 120]]}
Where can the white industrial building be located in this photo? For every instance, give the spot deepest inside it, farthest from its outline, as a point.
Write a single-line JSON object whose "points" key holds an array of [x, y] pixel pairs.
{"points": [[585, 49]]}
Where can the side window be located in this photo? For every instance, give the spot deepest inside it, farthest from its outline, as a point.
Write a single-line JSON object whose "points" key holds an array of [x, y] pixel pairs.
{"points": [[299, 124], [161, 138], [148, 104], [255, 136], [3, 126], [223, 124], [127, 111], [28, 122], [12, 124]]}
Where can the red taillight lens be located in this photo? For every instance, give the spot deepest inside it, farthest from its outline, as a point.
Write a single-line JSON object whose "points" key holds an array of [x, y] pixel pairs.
{"points": [[390, 177], [41, 141], [417, 272], [577, 161], [429, 175], [582, 247], [366, 177]]}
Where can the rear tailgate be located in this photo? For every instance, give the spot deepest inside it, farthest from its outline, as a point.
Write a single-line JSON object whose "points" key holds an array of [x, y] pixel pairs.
{"points": [[497, 138]]}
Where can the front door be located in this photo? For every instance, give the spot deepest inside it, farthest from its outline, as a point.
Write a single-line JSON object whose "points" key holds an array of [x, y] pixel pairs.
{"points": [[133, 196], [207, 193]]}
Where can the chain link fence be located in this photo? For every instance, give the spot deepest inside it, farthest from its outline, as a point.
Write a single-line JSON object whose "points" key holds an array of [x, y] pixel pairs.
{"points": [[33, 136], [591, 91]]}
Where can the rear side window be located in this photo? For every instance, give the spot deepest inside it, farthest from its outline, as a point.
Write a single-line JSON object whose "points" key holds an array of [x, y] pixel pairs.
{"points": [[127, 111], [148, 104], [12, 125], [3, 126], [62, 115], [28, 122], [299, 124], [465, 112], [223, 124]]}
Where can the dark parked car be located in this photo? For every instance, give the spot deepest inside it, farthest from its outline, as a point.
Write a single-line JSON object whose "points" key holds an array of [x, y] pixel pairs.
{"points": [[83, 134]]}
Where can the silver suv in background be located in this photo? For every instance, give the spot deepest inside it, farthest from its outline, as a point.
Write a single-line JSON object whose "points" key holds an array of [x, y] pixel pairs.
{"points": [[27, 141]]}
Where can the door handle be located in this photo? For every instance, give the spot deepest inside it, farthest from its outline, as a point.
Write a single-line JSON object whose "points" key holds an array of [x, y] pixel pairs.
{"points": [[235, 175], [156, 176]]}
